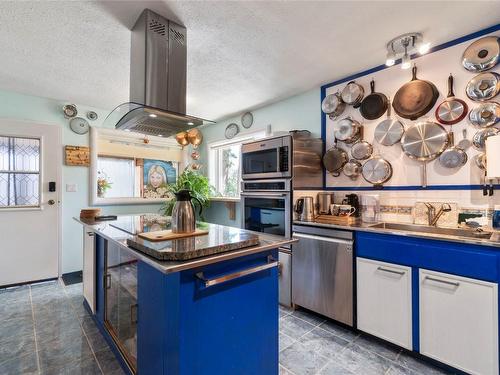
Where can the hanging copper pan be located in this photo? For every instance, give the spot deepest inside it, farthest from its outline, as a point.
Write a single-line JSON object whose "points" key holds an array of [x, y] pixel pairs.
{"points": [[415, 98], [452, 110]]}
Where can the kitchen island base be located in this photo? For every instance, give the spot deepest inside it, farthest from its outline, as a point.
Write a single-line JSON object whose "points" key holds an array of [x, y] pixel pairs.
{"points": [[221, 318]]}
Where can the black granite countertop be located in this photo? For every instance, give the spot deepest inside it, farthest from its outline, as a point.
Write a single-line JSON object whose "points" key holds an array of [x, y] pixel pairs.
{"points": [[221, 243]]}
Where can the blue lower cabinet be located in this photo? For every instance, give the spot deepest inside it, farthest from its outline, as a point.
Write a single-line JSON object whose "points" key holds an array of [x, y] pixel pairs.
{"points": [[454, 297], [217, 319]]}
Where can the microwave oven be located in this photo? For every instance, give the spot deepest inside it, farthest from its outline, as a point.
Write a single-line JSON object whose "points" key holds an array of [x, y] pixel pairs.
{"points": [[267, 158]]}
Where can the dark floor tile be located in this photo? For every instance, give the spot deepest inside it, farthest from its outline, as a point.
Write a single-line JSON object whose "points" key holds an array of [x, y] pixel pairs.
{"points": [[16, 346], [396, 369], [26, 364], [109, 364], [76, 300], [384, 349], [15, 295], [361, 361], [62, 329], [74, 290], [89, 325], [63, 349], [338, 330], [285, 341], [284, 371], [15, 310], [16, 327], [301, 360], [97, 341], [81, 366], [334, 368], [284, 311], [419, 366], [309, 316], [294, 327], [323, 342]]}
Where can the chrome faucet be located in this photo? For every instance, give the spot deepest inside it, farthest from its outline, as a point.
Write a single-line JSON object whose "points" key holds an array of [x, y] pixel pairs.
{"points": [[432, 216]]}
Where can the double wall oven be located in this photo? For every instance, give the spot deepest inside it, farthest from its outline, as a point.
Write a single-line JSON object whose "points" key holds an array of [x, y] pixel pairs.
{"points": [[271, 168]]}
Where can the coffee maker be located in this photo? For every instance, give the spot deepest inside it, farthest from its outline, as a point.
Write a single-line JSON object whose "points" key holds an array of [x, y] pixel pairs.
{"points": [[353, 201]]}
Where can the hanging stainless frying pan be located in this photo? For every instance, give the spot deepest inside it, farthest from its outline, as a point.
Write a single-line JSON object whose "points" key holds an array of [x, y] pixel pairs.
{"points": [[453, 156], [332, 105], [415, 98], [479, 139], [483, 87], [352, 169], [361, 150], [481, 55], [347, 130], [452, 110], [485, 115], [335, 159], [374, 105], [377, 171], [424, 141], [390, 130], [353, 94]]}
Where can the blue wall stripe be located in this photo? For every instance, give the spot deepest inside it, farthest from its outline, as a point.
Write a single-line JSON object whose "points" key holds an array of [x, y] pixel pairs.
{"points": [[377, 68]]}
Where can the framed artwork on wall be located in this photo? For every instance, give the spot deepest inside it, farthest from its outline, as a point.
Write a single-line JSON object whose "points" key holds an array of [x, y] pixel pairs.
{"points": [[156, 176]]}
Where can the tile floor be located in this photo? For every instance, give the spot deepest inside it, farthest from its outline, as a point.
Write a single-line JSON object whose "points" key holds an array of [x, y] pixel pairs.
{"points": [[44, 329]]}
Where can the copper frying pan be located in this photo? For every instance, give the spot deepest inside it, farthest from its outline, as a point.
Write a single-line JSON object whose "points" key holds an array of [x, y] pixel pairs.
{"points": [[415, 98], [452, 110]]}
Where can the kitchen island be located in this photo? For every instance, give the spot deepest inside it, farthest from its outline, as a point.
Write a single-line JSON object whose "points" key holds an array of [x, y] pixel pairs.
{"points": [[212, 314]]}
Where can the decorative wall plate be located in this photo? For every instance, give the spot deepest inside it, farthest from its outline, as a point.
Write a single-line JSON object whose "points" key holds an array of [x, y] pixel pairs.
{"points": [[79, 125], [247, 120], [92, 116], [231, 130], [70, 111]]}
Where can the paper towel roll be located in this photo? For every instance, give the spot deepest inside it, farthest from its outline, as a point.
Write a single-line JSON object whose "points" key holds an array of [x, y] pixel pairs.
{"points": [[493, 156]]}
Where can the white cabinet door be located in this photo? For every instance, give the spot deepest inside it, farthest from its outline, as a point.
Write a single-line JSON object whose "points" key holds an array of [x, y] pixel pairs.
{"points": [[89, 271], [384, 301], [459, 321]]}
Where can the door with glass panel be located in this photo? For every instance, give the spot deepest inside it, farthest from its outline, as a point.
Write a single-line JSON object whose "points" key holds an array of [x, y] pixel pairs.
{"points": [[30, 159]]}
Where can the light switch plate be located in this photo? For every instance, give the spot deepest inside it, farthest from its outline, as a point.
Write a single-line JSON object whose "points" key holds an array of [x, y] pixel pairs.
{"points": [[71, 188]]}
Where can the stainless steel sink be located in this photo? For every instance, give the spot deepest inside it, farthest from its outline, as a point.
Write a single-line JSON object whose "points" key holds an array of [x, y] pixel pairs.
{"points": [[468, 233]]}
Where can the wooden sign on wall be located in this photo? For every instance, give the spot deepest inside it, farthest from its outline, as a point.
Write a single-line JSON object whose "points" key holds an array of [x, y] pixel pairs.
{"points": [[77, 155]]}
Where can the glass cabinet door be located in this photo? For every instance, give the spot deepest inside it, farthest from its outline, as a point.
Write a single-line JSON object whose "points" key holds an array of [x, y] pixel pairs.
{"points": [[121, 301]]}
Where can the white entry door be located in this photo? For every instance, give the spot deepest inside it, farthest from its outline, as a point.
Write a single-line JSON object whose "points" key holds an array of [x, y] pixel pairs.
{"points": [[30, 158]]}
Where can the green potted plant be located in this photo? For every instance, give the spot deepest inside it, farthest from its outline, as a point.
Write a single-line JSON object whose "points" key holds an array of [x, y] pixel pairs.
{"points": [[193, 181]]}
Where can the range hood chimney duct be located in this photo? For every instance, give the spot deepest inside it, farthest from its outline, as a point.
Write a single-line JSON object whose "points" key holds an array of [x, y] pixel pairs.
{"points": [[158, 70]]}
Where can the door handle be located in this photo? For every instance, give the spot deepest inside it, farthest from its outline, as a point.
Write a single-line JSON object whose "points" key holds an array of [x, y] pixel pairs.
{"points": [[51, 202], [391, 271]]}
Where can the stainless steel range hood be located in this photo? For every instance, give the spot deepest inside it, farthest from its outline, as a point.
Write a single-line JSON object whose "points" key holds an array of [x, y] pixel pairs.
{"points": [[158, 65]]}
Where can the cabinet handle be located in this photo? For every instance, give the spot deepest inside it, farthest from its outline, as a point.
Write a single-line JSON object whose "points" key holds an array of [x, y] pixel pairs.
{"points": [[453, 283], [107, 281], [133, 314], [90, 234], [271, 263], [401, 273]]}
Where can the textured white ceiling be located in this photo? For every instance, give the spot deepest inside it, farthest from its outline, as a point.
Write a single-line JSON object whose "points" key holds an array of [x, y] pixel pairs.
{"points": [[241, 55]]}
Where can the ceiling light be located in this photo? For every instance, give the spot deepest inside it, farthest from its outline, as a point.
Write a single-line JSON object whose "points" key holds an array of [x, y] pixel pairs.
{"points": [[424, 48], [127, 130], [390, 59], [403, 47], [152, 115], [190, 123], [406, 62], [160, 135]]}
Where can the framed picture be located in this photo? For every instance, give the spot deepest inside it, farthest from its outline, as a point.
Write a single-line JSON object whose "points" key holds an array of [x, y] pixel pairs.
{"points": [[156, 176]]}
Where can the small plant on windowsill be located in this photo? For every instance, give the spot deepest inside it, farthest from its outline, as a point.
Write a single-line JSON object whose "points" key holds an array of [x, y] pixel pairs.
{"points": [[193, 181], [103, 184]]}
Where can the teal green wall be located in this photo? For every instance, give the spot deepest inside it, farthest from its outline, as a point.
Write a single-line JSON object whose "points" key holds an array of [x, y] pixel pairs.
{"points": [[298, 112], [49, 111]]}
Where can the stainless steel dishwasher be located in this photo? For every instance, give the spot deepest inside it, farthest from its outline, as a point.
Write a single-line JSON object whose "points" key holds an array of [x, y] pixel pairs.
{"points": [[322, 271]]}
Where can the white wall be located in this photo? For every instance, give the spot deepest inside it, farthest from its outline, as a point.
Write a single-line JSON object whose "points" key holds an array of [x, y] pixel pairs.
{"points": [[298, 112], [43, 110]]}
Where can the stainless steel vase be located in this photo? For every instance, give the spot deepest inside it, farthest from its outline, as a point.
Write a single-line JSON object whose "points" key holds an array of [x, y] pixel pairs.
{"points": [[183, 215]]}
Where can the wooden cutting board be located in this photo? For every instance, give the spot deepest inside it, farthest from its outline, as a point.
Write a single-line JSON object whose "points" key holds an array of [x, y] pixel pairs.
{"points": [[167, 235]]}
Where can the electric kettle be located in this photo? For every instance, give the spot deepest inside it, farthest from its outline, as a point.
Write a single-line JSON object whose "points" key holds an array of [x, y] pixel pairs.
{"points": [[304, 207], [183, 216]]}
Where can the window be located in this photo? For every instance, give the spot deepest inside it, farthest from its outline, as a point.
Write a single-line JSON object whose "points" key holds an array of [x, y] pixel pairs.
{"points": [[19, 172], [115, 177], [224, 164]]}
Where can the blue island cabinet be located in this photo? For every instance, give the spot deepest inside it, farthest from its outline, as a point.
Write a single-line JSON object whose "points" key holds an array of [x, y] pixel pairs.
{"points": [[221, 318]]}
